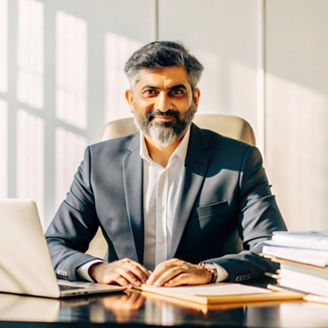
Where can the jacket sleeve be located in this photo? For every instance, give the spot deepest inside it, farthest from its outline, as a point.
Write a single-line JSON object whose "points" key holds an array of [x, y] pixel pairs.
{"points": [[258, 217], [74, 225]]}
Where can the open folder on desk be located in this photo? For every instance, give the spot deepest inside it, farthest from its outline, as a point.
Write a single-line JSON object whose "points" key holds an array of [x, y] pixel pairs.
{"points": [[221, 293]]}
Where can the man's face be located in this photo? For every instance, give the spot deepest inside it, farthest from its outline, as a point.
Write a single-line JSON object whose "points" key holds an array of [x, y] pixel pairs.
{"points": [[163, 104]]}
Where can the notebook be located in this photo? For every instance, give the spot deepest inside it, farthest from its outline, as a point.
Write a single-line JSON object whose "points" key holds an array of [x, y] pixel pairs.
{"points": [[25, 263]]}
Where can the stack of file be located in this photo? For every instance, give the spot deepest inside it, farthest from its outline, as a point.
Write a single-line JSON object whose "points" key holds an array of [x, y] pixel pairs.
{"points": [[303, 258]]}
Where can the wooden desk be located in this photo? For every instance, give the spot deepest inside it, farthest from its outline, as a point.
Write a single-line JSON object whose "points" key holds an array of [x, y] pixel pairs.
{"points": [[147, 311]]}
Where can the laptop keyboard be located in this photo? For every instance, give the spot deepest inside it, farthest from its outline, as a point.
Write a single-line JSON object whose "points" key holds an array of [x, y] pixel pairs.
{"points": [[65, 287]]}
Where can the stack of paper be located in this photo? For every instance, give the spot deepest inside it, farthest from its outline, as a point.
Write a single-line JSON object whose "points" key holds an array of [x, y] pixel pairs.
{"points": [[303, 258]]}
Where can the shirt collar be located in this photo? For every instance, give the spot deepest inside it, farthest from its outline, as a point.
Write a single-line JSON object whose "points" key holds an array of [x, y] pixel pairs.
{"points": [[180, 152]]}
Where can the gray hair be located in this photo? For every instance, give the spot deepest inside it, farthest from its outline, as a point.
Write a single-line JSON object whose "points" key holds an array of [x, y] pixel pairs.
{"points": [[160, 54]]}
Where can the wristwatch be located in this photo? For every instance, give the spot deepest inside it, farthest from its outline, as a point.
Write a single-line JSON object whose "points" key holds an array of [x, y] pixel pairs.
{"points": [[209, 266]]}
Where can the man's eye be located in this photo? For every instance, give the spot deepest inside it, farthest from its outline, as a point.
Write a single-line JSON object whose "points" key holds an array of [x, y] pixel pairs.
{"points": [[150, 92], [177, 92]]}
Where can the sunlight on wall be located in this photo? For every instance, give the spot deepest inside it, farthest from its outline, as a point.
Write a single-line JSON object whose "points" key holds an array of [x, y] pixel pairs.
{"points": [[4, 46], [297, 144], [71, 70], [69, 153], [118, 50], [3, 149], [30, 53], [243, 92], [210, 84], [30, 158]]}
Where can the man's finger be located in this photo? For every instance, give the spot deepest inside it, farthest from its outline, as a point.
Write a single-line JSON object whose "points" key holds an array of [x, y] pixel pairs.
{"points": [[129, 276], [176, 272], [121, 281], [125, 272], [140, 272], [161, 269], [181, 279], [167, 276], [145, 271], [132, 271]]}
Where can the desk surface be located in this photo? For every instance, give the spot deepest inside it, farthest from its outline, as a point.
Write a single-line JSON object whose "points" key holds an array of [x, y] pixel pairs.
{"points": [[131, 310]]}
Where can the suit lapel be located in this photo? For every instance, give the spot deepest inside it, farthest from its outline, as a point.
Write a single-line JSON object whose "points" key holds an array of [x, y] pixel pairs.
{"points": [[196, 164], [133, 188]]}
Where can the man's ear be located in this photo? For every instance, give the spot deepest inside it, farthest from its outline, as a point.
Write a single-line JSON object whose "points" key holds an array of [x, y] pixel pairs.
{"points": [[129, 99], [196, 96]]}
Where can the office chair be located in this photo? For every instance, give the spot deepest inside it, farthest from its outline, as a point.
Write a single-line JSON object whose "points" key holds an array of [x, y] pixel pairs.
{"points": [[227, 125]]}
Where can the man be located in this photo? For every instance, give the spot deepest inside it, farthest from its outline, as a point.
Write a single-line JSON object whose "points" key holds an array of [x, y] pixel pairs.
{"points": [[172, 200]]}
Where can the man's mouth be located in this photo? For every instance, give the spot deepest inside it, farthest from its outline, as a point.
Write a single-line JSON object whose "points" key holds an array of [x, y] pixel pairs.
{"points": [[164, 119]]}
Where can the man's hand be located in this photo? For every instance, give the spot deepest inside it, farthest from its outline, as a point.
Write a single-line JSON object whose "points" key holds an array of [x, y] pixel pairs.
{"points": [[176, 272], [124, 272]]}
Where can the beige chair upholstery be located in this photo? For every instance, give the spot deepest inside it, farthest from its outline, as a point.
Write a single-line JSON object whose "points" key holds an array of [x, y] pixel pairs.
{"points": [[228, 125]]}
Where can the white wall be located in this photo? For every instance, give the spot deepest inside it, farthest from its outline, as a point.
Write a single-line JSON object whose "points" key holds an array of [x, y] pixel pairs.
{"points": [[265, 60], [224, 36], [61, 57], [297, 109]]}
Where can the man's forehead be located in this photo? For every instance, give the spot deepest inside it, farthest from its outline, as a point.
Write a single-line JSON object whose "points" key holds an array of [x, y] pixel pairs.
{"points": [[169, 76]]}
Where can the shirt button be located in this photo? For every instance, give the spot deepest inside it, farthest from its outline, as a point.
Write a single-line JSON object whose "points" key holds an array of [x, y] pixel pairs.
{"points": [[161, 208], [161, 241]]}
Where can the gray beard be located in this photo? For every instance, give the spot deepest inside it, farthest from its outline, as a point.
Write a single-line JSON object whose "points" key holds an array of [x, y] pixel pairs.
{"points": [[164, 134]]}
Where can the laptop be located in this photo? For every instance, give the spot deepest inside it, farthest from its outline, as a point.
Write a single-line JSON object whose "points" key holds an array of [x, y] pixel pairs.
{"points": [[25, 263]]}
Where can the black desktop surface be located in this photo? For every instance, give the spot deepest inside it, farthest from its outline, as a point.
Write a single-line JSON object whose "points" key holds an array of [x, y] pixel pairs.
{"points": [[136, 310]]}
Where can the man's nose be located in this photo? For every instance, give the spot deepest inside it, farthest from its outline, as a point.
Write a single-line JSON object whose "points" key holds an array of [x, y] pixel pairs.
{"points": [[163, 102]]}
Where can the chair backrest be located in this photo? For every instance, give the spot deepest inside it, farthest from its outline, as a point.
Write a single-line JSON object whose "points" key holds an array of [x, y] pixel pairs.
{"points": [[227, 125]]}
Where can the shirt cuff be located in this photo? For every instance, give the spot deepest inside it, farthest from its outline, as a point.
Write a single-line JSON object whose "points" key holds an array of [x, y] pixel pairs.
{"points": [[83, 270]]}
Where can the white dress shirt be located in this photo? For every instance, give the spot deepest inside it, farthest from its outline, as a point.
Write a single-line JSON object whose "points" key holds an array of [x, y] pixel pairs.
{"points": [[161, 189]]}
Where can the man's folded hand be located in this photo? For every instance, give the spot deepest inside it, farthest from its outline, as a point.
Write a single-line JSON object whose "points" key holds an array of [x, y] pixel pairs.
{"points": [[124, 272], [177, 272]]}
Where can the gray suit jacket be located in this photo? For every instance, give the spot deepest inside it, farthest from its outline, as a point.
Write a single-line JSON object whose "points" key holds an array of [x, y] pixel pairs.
{"points": [[225, 199]]}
